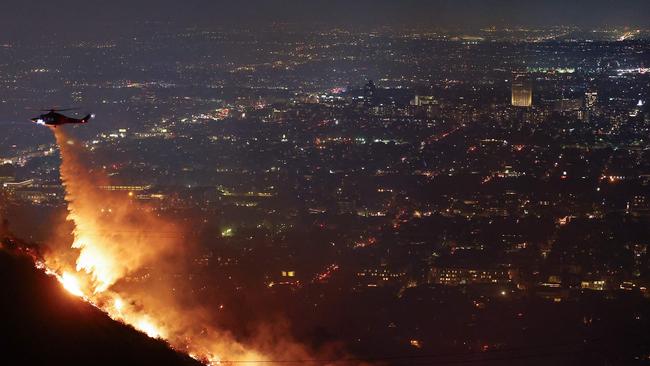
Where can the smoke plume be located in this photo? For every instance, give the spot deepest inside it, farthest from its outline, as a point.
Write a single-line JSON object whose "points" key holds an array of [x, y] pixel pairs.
{"points": [[118, 242], [118, 239]]}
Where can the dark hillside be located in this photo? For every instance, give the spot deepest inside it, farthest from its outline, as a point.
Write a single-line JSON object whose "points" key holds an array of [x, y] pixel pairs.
{"points": [[41, 324]]}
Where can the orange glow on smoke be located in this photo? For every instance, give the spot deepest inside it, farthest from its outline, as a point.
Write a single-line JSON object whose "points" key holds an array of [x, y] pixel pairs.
{"points": [[116, 238], [118, 304]]}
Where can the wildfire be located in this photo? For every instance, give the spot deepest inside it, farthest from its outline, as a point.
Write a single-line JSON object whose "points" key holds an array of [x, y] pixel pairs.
{"points": [[117, 247], [71, 283], [118, 304], [120, 241], [145, 325]]}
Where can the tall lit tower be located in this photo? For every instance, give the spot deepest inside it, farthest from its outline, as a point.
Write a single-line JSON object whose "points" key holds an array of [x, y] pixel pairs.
{"points": [[522, 92], [591, 97]]}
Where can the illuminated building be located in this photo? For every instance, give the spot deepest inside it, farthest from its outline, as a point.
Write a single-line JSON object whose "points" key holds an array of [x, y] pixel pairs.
{"points": [[423, 100], [453, 276], [591, 97], [16, 185], [34, 197], [124, 188], [425, 106], [286, 278], [288, 273], [638, 206], [596, 285], [373, 277], [522, 92], [567, 105]]}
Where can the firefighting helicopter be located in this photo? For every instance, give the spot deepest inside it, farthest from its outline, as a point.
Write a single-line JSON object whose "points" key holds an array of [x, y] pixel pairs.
{"points": [[54, 118]]}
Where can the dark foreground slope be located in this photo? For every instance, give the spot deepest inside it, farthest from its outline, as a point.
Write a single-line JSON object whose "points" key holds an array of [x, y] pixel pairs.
{"points": [[41, 324]]}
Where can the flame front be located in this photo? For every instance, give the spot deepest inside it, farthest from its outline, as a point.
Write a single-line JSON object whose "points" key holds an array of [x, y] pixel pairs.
{"points": [[115, 237], [71, 283], [145, 325]]}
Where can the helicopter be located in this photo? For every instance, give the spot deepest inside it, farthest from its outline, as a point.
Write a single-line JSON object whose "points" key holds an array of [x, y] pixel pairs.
{"points": [[54, 118]]}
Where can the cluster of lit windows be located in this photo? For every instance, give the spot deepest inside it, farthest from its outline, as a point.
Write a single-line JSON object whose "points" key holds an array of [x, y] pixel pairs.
{"points": [[384, 274], [288, 273], [463, 276], [124, 188]]}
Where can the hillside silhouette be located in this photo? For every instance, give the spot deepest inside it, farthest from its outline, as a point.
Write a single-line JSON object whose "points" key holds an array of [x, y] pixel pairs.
{"points": [[43, 324]]}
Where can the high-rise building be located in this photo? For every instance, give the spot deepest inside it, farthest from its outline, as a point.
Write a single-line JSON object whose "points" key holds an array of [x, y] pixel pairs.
{"points": [[567, 105], [590, 99], [423, 100], [425, 106], [522, 92], [369, 93]]}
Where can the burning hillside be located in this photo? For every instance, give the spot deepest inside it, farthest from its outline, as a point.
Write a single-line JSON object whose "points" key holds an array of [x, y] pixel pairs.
{"points": [[116, 238], [126, 260], [42, 324]]}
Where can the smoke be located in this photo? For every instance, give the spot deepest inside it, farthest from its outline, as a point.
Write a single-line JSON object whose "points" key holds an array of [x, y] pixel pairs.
{"points": [[111, 231], [118, 244], [118, 239]]}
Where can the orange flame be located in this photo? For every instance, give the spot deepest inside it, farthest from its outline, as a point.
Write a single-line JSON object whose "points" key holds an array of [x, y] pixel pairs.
{"points": [[113, 237], [71, 283]]}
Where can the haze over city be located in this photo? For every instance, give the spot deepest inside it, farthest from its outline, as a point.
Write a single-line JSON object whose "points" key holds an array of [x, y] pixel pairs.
{"points": [[325, 182]]}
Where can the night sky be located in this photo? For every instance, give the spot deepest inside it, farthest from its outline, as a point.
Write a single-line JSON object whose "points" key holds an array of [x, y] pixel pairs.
{"points": [[42, 15]]}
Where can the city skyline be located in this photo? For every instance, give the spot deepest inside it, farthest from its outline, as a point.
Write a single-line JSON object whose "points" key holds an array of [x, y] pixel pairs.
{"points": [[343, 183]]}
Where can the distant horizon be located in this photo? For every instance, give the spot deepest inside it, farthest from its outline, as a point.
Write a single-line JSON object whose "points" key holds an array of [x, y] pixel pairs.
{"points": [[104, 29], [38, 16]]}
